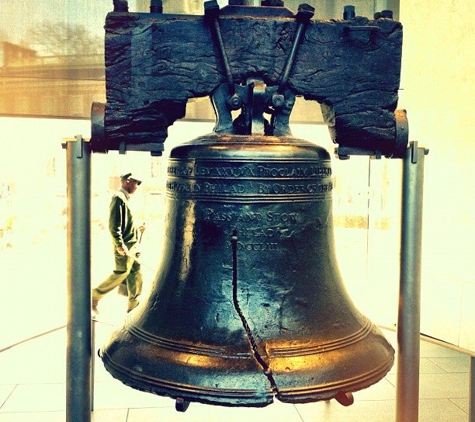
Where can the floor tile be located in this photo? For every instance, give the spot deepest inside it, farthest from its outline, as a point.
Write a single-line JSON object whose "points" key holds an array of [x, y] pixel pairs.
{"points": [[383, 390], [459, 363], [32, 389], [430, 410], [440, 410], [36, 398], [109, 415], [42, 360], [33, 417], [113, 394], [462, 403], [102, 415], [428, 366], [5, 392], [439, 386], [360, 411], [436, 350], [443, 386], [276, 412], [37, 305]]}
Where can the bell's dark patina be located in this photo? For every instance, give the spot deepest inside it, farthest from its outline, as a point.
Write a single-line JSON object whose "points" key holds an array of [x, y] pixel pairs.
{"points": [[248, 302]]}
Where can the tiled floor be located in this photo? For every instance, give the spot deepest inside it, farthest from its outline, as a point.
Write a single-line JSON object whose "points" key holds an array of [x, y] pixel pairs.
{"points": [[32, 389]]}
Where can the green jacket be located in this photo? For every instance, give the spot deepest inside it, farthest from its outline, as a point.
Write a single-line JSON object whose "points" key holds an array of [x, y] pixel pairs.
{"points": [[121, 221]]}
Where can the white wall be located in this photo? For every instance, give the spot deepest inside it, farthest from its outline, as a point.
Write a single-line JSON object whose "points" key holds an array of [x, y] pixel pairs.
{"points": [[438, 90]]}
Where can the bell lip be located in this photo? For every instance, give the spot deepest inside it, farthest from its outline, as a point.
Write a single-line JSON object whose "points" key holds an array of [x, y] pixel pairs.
{"points": [[249, 398], [191, 393], [376, 349]]}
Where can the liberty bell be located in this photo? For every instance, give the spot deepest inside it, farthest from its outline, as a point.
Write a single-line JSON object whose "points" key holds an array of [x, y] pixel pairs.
{"points": [[248, 304]]}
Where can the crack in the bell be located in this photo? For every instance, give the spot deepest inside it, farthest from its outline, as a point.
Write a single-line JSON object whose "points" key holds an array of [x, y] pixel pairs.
{"points": [[265, 367]]}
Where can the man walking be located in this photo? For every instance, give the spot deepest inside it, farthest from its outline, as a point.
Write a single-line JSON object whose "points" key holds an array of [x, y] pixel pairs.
{"points": [[124, 234]]}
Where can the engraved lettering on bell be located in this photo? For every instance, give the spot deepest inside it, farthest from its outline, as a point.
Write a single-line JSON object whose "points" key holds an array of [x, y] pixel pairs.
{"points": [[262, 233], [290, 188], [257, 246], [238, 170]]}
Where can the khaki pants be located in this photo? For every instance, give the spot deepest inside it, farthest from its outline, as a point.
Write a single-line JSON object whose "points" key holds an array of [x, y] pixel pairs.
{"points": [[126, 268]]}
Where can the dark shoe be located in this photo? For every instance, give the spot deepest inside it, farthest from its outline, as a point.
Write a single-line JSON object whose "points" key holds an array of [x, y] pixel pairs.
{"points": [[95, 303]]}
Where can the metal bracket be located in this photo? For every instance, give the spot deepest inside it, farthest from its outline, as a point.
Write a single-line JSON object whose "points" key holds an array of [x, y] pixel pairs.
{"points": [[399, 145], [415, 152], [408, 324], [304, 14], [254, 98]]}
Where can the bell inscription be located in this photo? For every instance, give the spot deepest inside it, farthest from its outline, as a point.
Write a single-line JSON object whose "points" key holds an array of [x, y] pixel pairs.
{"points": [[248, 304]]}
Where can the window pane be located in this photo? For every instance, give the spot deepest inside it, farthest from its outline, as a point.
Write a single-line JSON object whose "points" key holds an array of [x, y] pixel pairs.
{"points": [[52, 54]]}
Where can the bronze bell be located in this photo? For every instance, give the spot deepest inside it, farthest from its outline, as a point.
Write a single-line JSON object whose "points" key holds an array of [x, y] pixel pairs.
{"points": [[248, 303]]}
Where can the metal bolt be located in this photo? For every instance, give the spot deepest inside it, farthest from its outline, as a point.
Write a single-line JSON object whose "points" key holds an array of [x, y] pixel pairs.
{"points": [[278, 100], [121, 6], [234, 102], [349, 12], [211, 9], [388, 14], [272, 3], [304, 13], [156, 6]]}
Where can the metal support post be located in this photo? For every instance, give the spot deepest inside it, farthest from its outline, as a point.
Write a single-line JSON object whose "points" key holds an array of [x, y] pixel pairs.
{"points": [[472, 390], [79, 356], [408, 327]]}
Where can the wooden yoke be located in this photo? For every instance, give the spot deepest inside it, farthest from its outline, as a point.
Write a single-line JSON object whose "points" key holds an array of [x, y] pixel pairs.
{"points": [[156, 62]]}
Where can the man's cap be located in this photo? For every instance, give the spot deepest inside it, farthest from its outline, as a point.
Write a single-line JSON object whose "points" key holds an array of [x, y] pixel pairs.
{"points": [[126, 176]]}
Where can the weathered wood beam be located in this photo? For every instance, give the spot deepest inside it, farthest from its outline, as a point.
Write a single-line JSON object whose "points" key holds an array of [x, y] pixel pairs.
{"points": [[155, 63]]}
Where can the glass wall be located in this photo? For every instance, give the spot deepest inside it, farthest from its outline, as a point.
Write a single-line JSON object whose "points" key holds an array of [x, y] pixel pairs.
{"points": [[51, 70], [52, 57], [52, 54], [33, 219], [438, 90]]}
